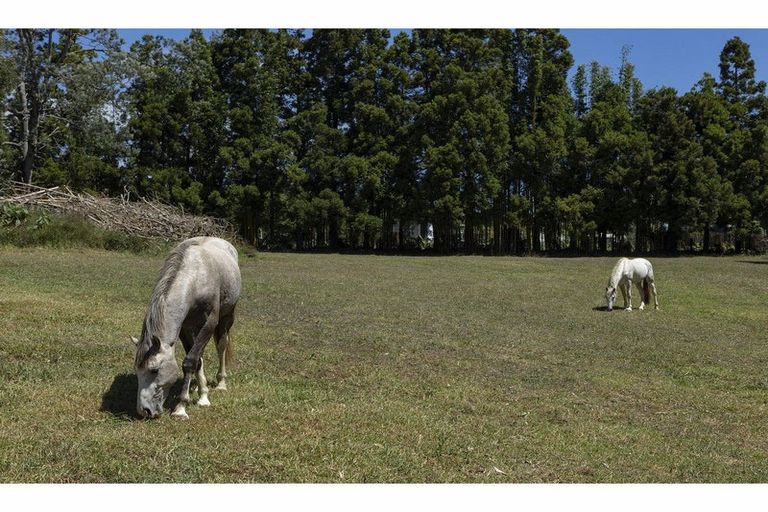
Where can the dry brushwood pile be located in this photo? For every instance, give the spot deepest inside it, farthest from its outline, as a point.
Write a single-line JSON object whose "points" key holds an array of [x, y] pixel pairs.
{"points": [[150, 220]]}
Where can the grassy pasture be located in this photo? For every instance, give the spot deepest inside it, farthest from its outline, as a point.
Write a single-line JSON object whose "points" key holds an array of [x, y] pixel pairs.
{"points": [[395, 369]]}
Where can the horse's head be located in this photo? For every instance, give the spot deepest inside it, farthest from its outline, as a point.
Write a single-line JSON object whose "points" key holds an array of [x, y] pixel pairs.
{"points": [[610, 296], [156, 371]]}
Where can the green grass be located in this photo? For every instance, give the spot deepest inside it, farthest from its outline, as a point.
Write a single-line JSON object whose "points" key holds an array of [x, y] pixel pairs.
{"points": [[395, 369]]}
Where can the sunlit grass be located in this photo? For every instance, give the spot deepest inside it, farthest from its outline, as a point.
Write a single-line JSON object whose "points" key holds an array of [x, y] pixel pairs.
{"points": [[395, 369]]}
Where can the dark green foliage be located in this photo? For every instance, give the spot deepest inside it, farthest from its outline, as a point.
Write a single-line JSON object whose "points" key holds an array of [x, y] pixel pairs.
{"points": [[351, 138], [463, 131]]}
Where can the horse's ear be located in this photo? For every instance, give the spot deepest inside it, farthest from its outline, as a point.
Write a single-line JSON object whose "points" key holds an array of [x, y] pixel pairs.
{"points": [[156, 342], [135, 341]]}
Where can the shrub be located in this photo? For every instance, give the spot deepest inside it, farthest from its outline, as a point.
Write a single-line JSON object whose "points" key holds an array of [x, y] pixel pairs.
{"points": [[13, 214], [39, 228]]}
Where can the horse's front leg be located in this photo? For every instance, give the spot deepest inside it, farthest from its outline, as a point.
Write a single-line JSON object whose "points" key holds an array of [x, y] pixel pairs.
{"points": [[193, 364], [181, 408]]}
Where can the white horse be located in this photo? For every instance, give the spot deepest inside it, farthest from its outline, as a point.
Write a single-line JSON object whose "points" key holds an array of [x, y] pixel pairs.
{"points": [[626, 272], [194, 299]]}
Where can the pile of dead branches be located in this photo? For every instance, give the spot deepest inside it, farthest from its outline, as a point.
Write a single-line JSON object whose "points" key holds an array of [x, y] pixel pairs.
{"points": [[151, 220]]}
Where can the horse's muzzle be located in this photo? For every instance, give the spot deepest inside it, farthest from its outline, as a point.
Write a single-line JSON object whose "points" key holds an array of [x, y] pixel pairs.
{"points": [[149, 414]]}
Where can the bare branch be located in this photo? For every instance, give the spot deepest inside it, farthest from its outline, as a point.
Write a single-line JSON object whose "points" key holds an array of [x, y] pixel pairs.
{"points": [[150, 220], [63, 119], [44, 143]]}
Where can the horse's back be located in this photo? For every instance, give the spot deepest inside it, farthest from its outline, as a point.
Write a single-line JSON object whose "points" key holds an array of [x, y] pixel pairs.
{"points": [[643, 266], [213, 263], [213, 244]]}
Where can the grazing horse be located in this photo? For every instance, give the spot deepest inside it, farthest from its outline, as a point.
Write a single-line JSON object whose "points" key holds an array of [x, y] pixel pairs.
{"points": [[626, 272], [194, 298]]}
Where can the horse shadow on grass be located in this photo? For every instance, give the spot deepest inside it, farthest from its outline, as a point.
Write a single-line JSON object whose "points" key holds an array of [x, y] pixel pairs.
{"points": [[601, 308], [120, 399]]}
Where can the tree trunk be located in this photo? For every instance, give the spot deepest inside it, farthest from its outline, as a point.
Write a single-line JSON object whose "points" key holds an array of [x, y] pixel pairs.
{"points": [[271, 218], [469, 235], [333, 235], [26, 145], [670, 241], [705, 242]]}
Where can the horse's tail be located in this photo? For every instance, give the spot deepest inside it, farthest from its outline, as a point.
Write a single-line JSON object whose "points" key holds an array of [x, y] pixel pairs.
{"points": [[223, 332], [646, 291], [229, 355]]}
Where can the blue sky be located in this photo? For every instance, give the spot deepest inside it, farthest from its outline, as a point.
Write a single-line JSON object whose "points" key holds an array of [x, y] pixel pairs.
{"points": [[673, 57]]}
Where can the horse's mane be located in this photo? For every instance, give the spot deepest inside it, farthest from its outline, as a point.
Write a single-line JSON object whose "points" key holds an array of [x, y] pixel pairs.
{"points": [[616, 272], [156, 310]]}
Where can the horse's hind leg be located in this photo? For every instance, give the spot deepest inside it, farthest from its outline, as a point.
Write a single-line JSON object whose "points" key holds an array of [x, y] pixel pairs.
{"points": [[202, 386], [655, 299], [642, 294], [623, 294], [222, 348], [628, 302]]}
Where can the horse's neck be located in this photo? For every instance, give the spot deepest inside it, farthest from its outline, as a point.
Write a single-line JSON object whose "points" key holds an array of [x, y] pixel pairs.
{"points": [[618, 273], [163, 321]]}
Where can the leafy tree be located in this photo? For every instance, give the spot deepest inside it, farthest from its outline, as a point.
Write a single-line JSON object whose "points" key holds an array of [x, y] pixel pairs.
{"points": [[619, 154], [709, 114], [57, 75], [737, 77], [629, 83], [401, 194], [462, 122], [253, 68], [541, 129], [747, 164], [581, 99], [686, 181]]}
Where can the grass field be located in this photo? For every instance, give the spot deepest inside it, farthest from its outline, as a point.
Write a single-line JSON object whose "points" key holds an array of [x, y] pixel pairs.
{"points": [[395, 369]]}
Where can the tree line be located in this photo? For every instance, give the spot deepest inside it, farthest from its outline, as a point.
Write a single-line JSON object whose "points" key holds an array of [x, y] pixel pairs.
{"points": [[357, 139]]}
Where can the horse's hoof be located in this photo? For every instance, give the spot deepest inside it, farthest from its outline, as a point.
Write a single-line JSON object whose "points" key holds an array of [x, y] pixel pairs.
{"points": [[221, 386], [180, 415], [203, 401], [180, 412], [627, 309]]}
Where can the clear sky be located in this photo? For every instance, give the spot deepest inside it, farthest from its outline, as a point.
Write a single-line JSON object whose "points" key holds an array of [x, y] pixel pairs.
{"points": [[673, 57]]}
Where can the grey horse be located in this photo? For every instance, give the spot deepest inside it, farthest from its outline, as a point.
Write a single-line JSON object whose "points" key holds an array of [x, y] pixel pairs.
{"points": [[194, 298]]}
